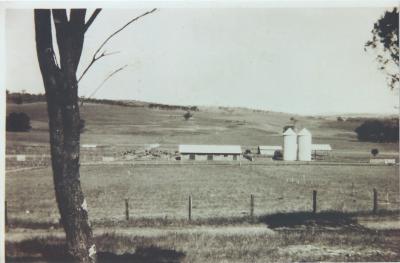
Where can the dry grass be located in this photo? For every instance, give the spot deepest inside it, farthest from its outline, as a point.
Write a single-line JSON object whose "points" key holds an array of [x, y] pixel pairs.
{"points": [[221, 194], [217, 191], [318, 244]]}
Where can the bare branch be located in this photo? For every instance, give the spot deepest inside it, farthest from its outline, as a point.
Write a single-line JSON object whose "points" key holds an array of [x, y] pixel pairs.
{"points": [[104, 81], [91, 19], [94, 59], [96, 55]]}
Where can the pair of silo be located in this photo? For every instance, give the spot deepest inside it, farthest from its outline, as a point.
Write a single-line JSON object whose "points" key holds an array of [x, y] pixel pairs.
{"points": [[297, 146]]}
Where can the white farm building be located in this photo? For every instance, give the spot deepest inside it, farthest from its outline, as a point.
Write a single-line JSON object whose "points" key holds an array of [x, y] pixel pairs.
{"points": [[210, 152], [268, 150]]}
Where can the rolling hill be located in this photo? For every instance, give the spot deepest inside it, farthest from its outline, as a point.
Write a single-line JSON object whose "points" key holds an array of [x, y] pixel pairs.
{"points": [[137, 123]]}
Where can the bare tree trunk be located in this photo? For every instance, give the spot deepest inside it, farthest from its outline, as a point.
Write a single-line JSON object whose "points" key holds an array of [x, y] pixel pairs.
{"points": [[63, 110]]}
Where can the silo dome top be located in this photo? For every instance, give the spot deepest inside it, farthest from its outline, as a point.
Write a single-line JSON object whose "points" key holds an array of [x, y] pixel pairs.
{"points": [[289, 132], [304, 132]]}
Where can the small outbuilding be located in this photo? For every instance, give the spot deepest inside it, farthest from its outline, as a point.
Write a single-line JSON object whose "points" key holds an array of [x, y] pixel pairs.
{"points": [[320, 151], [210, 152], [268, 150]]}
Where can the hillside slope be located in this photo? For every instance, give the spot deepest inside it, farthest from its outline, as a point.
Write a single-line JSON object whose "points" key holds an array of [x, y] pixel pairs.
{"points": [[121, 125]]}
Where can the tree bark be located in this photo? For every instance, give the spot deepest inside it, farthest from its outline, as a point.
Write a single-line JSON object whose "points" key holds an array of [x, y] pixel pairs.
{"points": [[61, 88]]}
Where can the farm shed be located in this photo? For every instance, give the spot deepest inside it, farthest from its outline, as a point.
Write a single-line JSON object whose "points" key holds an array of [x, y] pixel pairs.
{"points": [[268, 150], [210, 152], [319, 151]]}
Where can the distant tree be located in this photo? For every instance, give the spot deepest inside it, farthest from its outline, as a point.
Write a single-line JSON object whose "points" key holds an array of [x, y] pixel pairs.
{"points": [[374, 152], [187, 115], [287, 127], [385, 41], [340, 119], [378, 131], [18, 122], [18, 99]]}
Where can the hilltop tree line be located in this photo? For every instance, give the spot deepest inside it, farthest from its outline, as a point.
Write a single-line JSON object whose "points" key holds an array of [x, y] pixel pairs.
{"points": [[23, 97]]}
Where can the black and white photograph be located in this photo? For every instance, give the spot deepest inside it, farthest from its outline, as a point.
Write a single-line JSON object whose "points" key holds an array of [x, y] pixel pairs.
{"points": [[200, 131]]}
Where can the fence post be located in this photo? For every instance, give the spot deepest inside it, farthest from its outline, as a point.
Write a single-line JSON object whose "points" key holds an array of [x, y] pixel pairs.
{"points": [[375, 208], [252, 205], [314, 201], [127, 209], [190, 208]]}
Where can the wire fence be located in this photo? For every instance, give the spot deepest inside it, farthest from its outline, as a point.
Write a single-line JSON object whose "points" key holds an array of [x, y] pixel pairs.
{"points": [[195, 207]]}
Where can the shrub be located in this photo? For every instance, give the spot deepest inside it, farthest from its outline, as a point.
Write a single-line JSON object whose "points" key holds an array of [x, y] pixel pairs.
{"points": [[379, 131], [374, 152], [339, 119], [18, 122], [278, 155], [187, 115]]}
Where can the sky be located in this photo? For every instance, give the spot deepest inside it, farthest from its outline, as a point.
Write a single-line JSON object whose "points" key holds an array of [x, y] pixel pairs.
{"points": [[297, 60]]}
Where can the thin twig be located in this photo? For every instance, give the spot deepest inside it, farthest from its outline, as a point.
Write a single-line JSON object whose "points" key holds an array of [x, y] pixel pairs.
{"points": [[94, 59], [96, 55], [104, 81]]}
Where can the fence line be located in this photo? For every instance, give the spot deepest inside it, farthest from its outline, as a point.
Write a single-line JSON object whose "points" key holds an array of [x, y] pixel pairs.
{"points": [[252, 206]]}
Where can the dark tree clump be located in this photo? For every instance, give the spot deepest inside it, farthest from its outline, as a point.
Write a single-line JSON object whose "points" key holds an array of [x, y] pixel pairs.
{"points": [[187, 115], [385, 41], [18, 122], [379, 131], [374, 152]]}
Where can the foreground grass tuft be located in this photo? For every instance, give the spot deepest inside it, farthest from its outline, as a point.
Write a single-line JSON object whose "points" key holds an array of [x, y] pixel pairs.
{"points": [[285, 244]]}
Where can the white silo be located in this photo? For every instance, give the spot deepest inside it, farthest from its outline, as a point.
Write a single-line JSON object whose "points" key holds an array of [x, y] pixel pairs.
{"points": [[289, 145], [304, 138]]}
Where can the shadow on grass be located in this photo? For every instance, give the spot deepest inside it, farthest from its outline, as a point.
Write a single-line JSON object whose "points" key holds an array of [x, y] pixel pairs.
{"points": [[54, 250], [327, 218], [323, 219]]}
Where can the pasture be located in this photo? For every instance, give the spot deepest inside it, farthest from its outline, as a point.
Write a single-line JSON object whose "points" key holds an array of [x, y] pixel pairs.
{"points": [[161, 191], [221, 229]]}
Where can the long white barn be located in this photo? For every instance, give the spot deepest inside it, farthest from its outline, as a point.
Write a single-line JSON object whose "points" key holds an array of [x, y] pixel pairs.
{"points": [[210, 152]]}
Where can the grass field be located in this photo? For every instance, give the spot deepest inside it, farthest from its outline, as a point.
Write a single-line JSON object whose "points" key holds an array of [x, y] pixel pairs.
{"points": [[221, 230], [217, 191], [227, 244]]}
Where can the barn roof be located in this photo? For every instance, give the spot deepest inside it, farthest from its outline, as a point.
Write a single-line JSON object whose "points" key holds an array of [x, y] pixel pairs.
{"points": [[270, 147], [321, 147], [210, 149]]}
